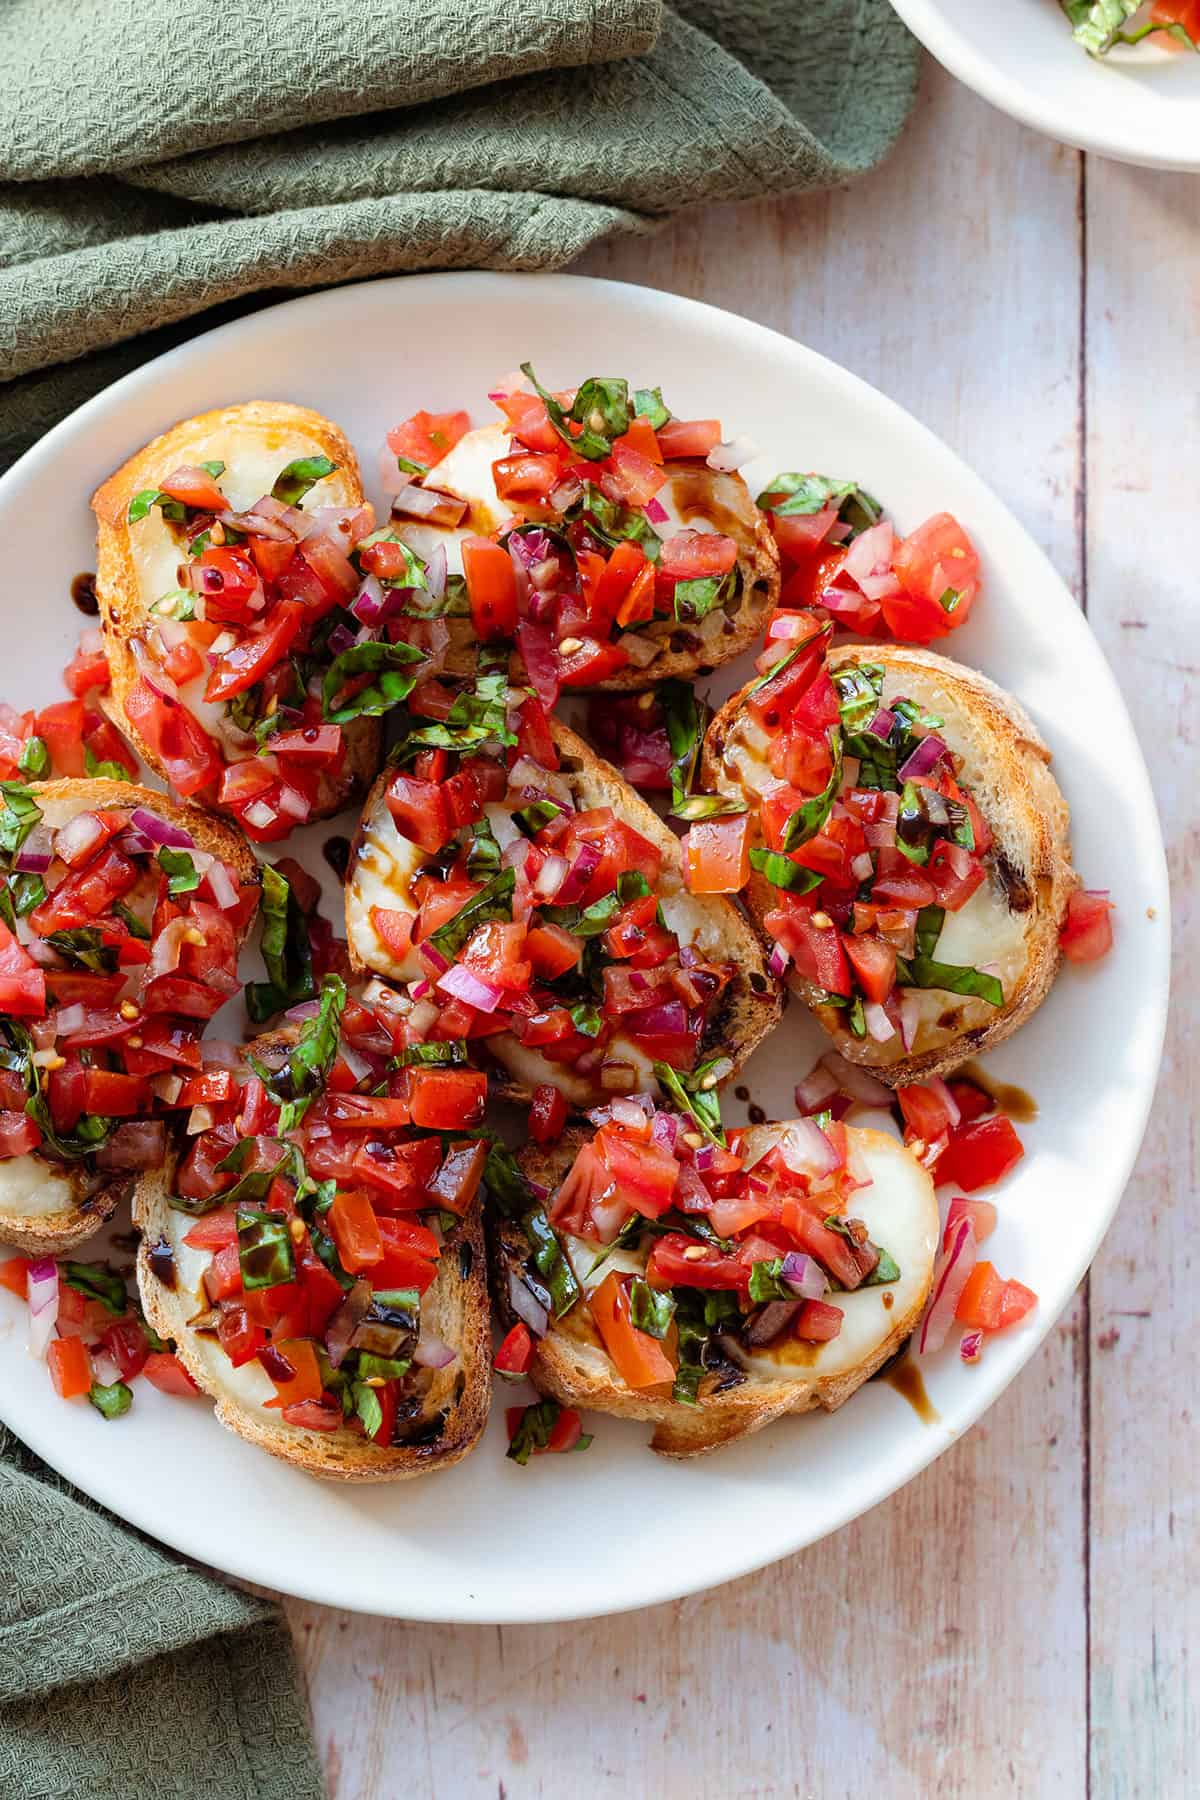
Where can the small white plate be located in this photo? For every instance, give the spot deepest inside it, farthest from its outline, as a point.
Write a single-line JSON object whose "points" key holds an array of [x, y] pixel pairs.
{"points": [[617, 1527], [1140, 103]]}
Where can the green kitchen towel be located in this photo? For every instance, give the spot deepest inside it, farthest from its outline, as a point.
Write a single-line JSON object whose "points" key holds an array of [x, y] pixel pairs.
{"points": [[158, 162], [126, 1674]]}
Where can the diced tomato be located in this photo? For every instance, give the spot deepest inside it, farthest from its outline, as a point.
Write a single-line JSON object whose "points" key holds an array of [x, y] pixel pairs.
{"points": [[355, 1231], [127, 1344], [457, 1182], [70, 1367], [874, 964], [87, 669], [230, 585], [1087, 931], [190, 757], [491, 588], [223, 1276], [972, 1101], [323, 1414], [1015, 1301], [18, 1135], [547, 1114], [679, 1261], [718, 855], [247, 662], [22, 983], [214, 1231], [447, 1099], [565, 1433], [979, 1155], [629, 476], [297, 1377], [552, 951], [113, 1095], [164, 1371], [419, 809], [406, 1262], [394, 929], [427, 437], [926, 1114], [195, 487], [772, 704], [515, 1355], [14, 1273], [320, 1288], [979, 1303], [241, 1337], [527, 480], [817, 1322], [60, 728], [591, 663], [938, 570], [695, 555], [955, 874], [816, 950], [623, 567], [899, 882], [107, 745], [640, 1359], [688, 437]]}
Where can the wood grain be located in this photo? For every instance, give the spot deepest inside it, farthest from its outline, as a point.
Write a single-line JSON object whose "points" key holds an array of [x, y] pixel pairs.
{"points": [[1041, 1577]]}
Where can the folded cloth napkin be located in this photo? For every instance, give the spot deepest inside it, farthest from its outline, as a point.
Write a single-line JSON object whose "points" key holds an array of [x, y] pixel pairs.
{"points": [[126, 1674], [163, 161]]}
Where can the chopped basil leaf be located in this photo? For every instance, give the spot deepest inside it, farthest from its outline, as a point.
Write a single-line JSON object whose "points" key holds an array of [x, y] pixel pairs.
{"points": [[444, 1054], [615, 523], [413, 575], [19, 816], [533, 1431], [20, 894], [782, 872], [493, 901], [707, 806], [103, 771], [367, 1406], [550, 1261], [309, 1060], [685, 722], [694, 600], [383, 1368], [85, 948], [693, 1096], [602, 405], [114, 1401], [264, 1248], [395, 680], [1096, 24], [805, 495], [648, 403], [286, 951], [506, 1182], [135, 926], [483, 856], [35, 758], [886, 1270], [650, 1309], [533, 817], [89, 1130], [699, 1320], [609, 399], [96, 1281], [860, 694], [406, 466], [856, 1017], [765, 1282], [184, 877], [147, 498], [808, 819], [924, 972], [294, 481], [472, 720], [180, 604], [950, 600], [629, 1231], [587, 1019], [785, 662], [215, 468]]}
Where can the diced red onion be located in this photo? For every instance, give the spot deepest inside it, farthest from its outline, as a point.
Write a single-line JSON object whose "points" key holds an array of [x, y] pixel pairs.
{"points": [[549, 877], [432, 1353], [574, 883], [618, 1077], [222, 1053], [946, 1097], [881, 836], [135, 1144], [431, 955], [868, 561], [927, 755], [200, 1118], [70, 1018], [168, 946], [78, 839], [882, 723], [260, 815], [628, 1112], [152, 671], [950, 1274], [770, 1322], [777, 963], [307, 1009], [726, 458], [567, 493], [35, 855], [803, 1275], [640, 650], [159, 832], [472, 989], [806, 1150], [222, 884], [367, 605], [166, 1087], [910, 1015], [861, 867], [424, 1015], [417, 990], [41, 1290], [667, 1020], [859, 1083], [436, 571], [664, 1130], [527, 1306], [878, 1024], [971, 1347], [815, 1091]]}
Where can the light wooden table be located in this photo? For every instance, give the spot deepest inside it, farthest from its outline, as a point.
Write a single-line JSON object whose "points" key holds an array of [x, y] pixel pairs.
{"points": [[1018, 1620]]}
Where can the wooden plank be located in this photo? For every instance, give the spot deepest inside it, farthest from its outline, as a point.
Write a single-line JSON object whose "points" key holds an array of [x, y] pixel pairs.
{"points": [[937, 1646], [1143, 501]]}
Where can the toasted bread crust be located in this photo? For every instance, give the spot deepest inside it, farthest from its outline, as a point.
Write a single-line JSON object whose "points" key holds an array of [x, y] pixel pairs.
{"points": [[117, 586], [1007, 764], [455, 1309], [751, 1004], [53, 1234], [571, 1366]]}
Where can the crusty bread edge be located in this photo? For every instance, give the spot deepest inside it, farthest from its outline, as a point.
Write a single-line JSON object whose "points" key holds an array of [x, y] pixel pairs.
{"points": [[680, 1431], [1025, 760], [116, 575]]}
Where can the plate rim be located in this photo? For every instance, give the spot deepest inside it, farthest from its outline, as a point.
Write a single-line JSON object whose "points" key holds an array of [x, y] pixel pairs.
{"points": [[872, 1493], [954, 49]]}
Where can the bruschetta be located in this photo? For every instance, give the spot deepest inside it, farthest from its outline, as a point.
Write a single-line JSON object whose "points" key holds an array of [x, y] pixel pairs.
{"points": [[224, 568], [911, 862], [711, 1287], [121, 915], [537, 915], [607, 539], [319, 1264]]}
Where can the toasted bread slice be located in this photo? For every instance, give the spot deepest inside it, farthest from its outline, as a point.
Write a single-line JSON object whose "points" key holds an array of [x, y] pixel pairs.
{"points": [[1011, 924], [136, 564], [47, 1207], [572, 1366], [454, 1408], [694, 496], [383, 866]]}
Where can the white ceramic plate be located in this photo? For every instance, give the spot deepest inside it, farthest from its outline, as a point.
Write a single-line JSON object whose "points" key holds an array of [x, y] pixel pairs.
{"points": [[1139, 103], [618, 1527]]}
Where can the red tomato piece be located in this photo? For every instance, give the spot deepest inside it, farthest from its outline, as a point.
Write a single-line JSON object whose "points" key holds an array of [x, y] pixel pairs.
{"points": [[515, 1354], [874, 964], [427, 437], [164, 1371], [60, 728], [1087, 931], [248, 661], [938, 570], [87, 669], [640, 1359], [718, 855], [979, 1155], [695, 555], [491, 588], [688, 437], [355, 1231], [955, 874], [547, 1114], [447, 1099], [196, 487], [70, 1367], [816, 950], [817, 1322]]}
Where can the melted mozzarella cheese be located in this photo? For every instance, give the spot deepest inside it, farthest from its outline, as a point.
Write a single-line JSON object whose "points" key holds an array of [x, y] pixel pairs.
{"points": [[31, 1189], [465, 472], [383, 875], [531, 1068], [703, 499], [249, 1385], [253, 455]]}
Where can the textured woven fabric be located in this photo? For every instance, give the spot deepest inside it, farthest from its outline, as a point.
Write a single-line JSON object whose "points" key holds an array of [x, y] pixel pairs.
{"points": [[163, 161], [125, 1673]]}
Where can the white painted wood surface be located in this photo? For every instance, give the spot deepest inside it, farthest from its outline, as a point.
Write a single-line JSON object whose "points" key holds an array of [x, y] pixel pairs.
{"points": [[1018, 1620]]}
